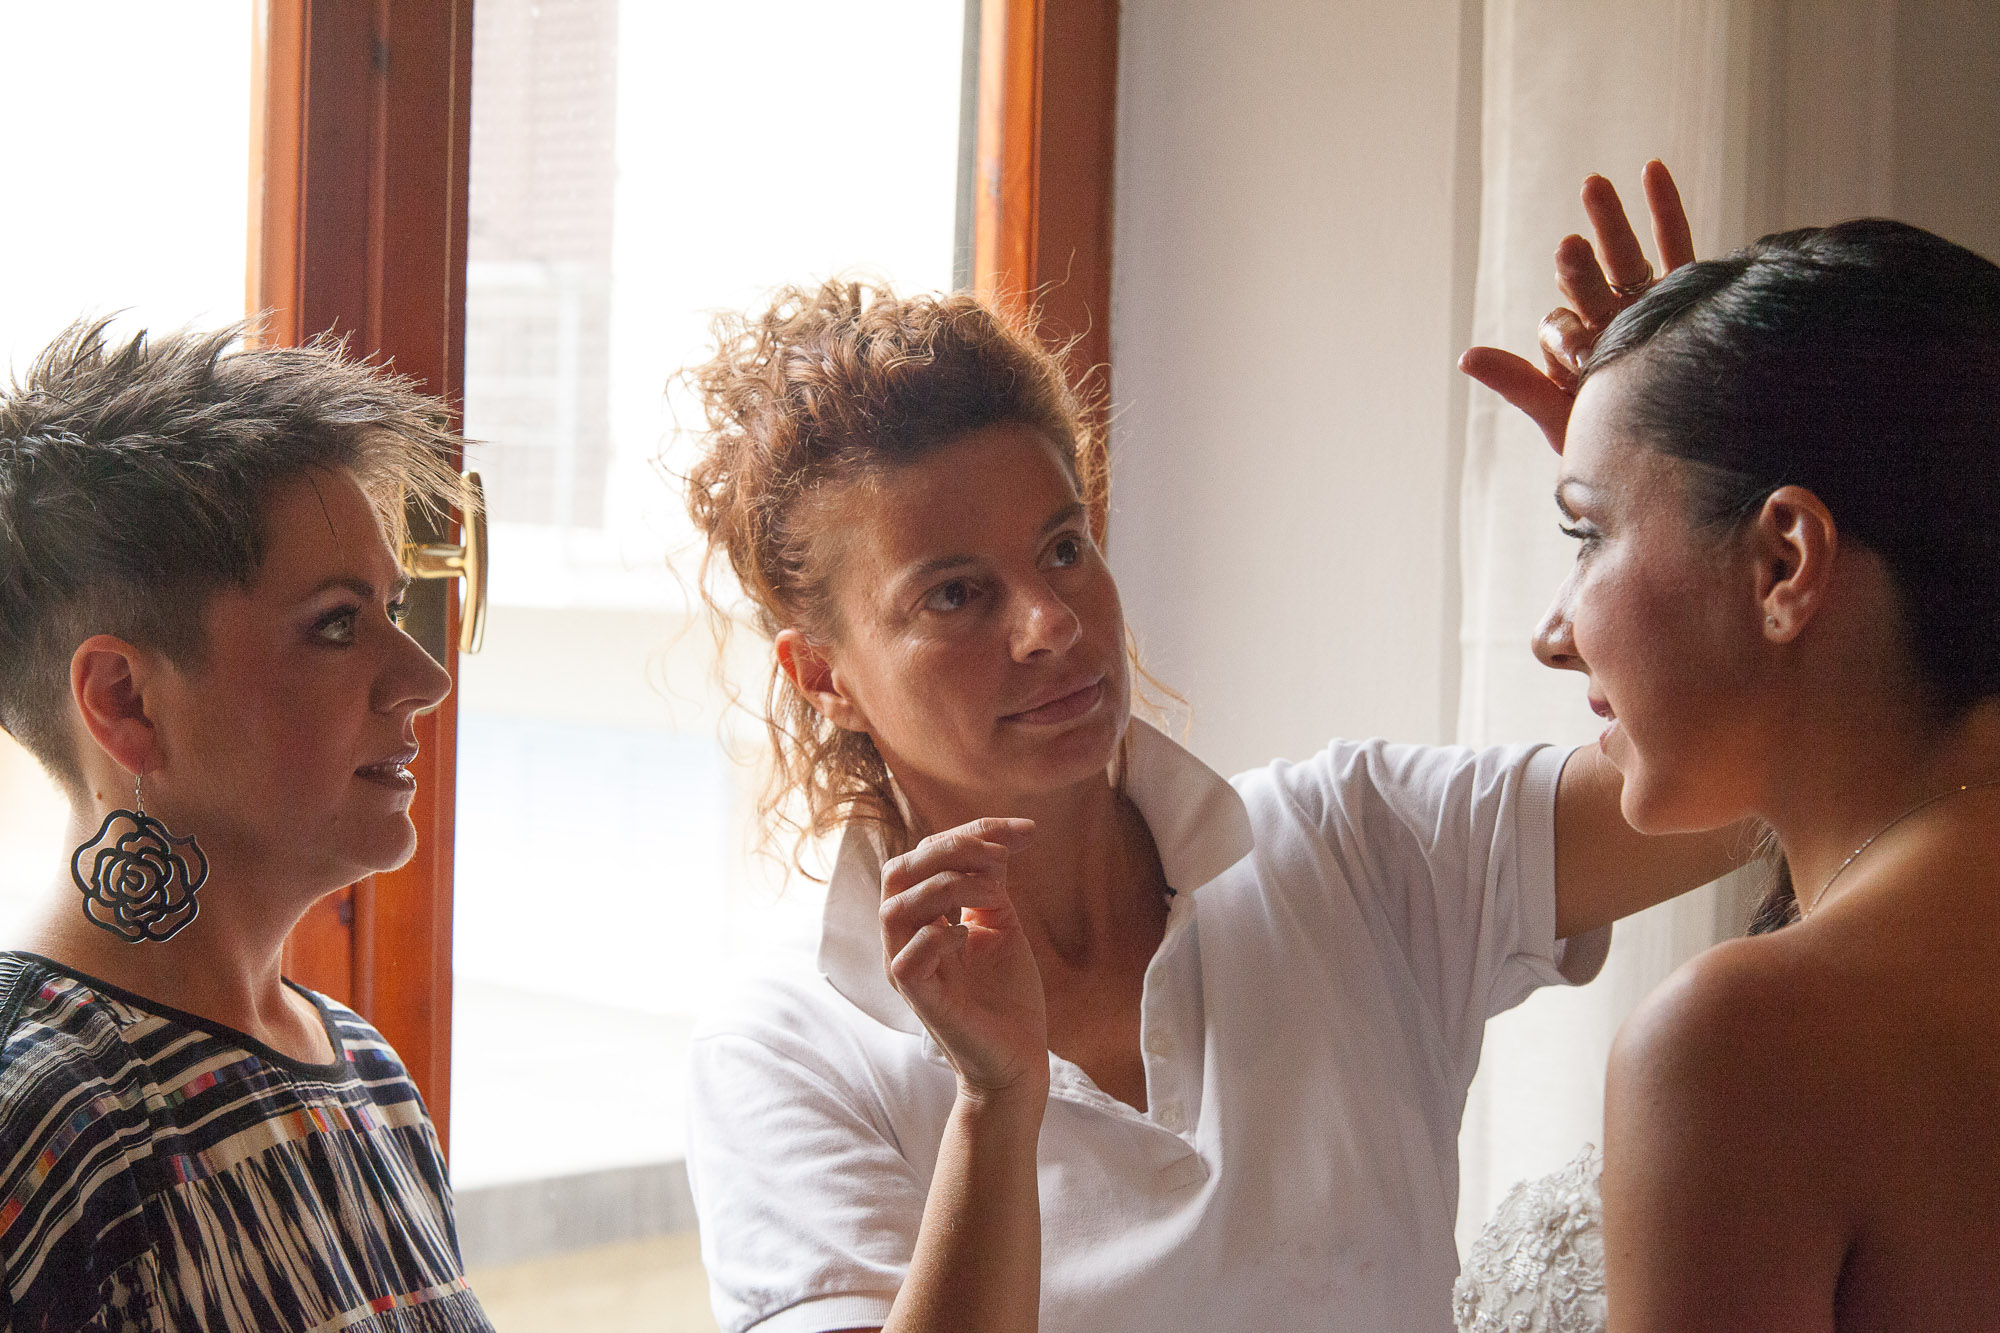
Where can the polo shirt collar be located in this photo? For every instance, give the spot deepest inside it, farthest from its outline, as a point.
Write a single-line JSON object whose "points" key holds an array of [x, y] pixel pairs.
{"points": [[1200, 827]]}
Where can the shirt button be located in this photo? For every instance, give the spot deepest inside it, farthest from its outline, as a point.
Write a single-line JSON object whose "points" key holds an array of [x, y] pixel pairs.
{"points": [[1170, 1116], [1160, 1043]]}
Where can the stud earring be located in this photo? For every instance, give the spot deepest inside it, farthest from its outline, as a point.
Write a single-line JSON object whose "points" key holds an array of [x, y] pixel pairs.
{"points": [[1772, 621], [142, 879]]}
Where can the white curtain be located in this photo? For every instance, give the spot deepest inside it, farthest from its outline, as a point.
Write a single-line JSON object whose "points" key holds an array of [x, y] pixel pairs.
{"points": [[1771, 113]]}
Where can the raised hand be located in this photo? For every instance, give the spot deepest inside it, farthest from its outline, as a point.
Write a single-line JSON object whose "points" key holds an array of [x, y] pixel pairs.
{"points": [[955, 950], [1596, 285]]}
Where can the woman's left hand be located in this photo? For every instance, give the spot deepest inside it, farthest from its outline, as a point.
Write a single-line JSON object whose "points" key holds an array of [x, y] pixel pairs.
{"points": [[1596, 285]]}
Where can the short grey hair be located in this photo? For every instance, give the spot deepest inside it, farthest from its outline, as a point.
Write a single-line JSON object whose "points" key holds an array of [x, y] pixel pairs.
{"points": [[133, 480]]}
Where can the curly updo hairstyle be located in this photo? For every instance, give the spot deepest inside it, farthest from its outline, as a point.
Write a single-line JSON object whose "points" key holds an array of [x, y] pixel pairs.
{"points": [[823, 388], [1862, 362]]}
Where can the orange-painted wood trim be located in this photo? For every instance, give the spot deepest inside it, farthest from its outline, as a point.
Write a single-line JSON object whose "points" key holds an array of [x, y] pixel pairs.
{"points": [[1077, 136], [362, 228], [276, 167], [1008, 177], [1047, 141], [320, 952], [403, 927]]}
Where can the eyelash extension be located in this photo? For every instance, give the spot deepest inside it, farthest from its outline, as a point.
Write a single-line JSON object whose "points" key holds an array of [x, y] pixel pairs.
{"points": [[399, 611], [334, 617]]}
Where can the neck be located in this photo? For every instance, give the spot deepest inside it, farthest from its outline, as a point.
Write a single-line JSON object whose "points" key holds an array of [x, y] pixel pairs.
{"points": [[1870, 778], [1090, 881], [225, 965]]}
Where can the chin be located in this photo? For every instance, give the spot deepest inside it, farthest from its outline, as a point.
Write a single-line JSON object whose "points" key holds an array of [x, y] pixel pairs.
{"points": [[1654, 806], [1052, 763], [390, 848], [1087, 748]]}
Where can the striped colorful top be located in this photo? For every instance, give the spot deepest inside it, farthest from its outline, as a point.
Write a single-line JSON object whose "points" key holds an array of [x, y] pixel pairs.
{"points": [[161, 1172]]}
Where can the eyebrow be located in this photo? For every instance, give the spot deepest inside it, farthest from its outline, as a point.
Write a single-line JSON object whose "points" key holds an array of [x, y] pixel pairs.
{"points": [[938, 564], [1072, 510], [360, 587]]}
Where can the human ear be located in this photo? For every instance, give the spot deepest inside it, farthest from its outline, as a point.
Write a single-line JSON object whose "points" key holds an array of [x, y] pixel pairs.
{"points": [[811, 673], [108, 679], [1796, 542]]}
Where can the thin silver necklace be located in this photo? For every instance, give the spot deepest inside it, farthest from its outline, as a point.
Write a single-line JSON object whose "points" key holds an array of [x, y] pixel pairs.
{"points": [[1927, 801]]}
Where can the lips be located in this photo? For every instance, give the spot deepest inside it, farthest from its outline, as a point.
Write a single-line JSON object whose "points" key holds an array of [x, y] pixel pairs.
{"points": [[1602, 707], [1066, 704], [392, 772]]}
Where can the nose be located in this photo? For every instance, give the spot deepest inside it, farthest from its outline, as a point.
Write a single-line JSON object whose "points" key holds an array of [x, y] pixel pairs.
{"points": [[410, 679], [1045, 624], [1555, 636]]}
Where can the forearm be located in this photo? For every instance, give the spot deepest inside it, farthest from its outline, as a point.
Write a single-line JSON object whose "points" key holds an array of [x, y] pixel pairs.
{"points": [[978, 1262], [1606, 869]]}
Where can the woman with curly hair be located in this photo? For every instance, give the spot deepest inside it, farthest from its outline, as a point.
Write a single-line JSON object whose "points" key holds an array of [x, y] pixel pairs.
{"points": [[199, 606], [1102, 1040]]}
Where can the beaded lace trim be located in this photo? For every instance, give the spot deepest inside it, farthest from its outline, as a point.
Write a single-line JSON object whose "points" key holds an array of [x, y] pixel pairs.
{"points": [[1539, 1265]]}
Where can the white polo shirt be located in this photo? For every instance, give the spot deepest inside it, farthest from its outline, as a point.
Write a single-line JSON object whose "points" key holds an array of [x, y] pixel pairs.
{"points": [[1342, 930]]}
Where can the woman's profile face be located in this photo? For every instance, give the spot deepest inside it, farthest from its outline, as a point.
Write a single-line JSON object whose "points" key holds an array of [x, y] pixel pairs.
{"points": [[980, 638], [1664, 620], [286, 744]]}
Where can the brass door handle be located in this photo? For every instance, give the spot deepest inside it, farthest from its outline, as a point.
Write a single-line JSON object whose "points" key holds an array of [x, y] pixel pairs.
{"points": [[442, 560]]}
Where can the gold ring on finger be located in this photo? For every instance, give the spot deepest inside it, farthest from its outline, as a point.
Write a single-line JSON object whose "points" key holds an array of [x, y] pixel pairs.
{"points": [[1631, 289]]}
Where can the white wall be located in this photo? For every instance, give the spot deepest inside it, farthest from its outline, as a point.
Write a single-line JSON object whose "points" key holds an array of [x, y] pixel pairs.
{"points": [[1296, 224]]}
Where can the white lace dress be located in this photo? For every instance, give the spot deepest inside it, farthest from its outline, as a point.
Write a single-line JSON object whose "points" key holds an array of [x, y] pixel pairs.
{"points": [[1539, 1265]]}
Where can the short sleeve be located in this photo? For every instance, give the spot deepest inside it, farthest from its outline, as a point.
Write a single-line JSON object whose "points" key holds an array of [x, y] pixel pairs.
{"points": [[1450, 853], [808, 1211]]}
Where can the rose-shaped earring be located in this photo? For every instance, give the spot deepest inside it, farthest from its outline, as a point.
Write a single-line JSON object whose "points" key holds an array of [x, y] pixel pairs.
{"points": [[141, 879]]}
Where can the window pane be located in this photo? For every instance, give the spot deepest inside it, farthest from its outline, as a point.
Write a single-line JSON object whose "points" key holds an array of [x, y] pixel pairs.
{"points": [[636, 166], [129, 161]]}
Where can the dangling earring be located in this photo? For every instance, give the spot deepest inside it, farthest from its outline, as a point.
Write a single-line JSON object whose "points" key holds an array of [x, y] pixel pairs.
{"points": [[142, 879]]}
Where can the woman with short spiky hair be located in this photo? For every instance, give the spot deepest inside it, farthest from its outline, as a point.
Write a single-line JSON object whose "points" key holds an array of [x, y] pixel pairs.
{"points": [[200, 599]]}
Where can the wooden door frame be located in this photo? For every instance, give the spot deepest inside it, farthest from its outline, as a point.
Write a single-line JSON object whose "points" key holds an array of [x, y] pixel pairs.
{"points": [[1047, 143], [358, 230], [362, 128]]}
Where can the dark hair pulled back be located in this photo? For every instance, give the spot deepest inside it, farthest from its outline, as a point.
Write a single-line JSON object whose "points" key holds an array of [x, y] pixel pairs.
{"points": [[1862, 362]]}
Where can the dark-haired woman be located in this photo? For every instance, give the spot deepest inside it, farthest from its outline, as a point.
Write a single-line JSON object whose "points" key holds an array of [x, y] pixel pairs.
{"points": [[199, 607], [1101, 1040], [1783, 471]]}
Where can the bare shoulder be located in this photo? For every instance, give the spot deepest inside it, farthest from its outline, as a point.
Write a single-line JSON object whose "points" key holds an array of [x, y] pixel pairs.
{"points": [[1720, 1005], [1713, 1166], [1744, 1037], [1764, 1056], [1809, 1111]]}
